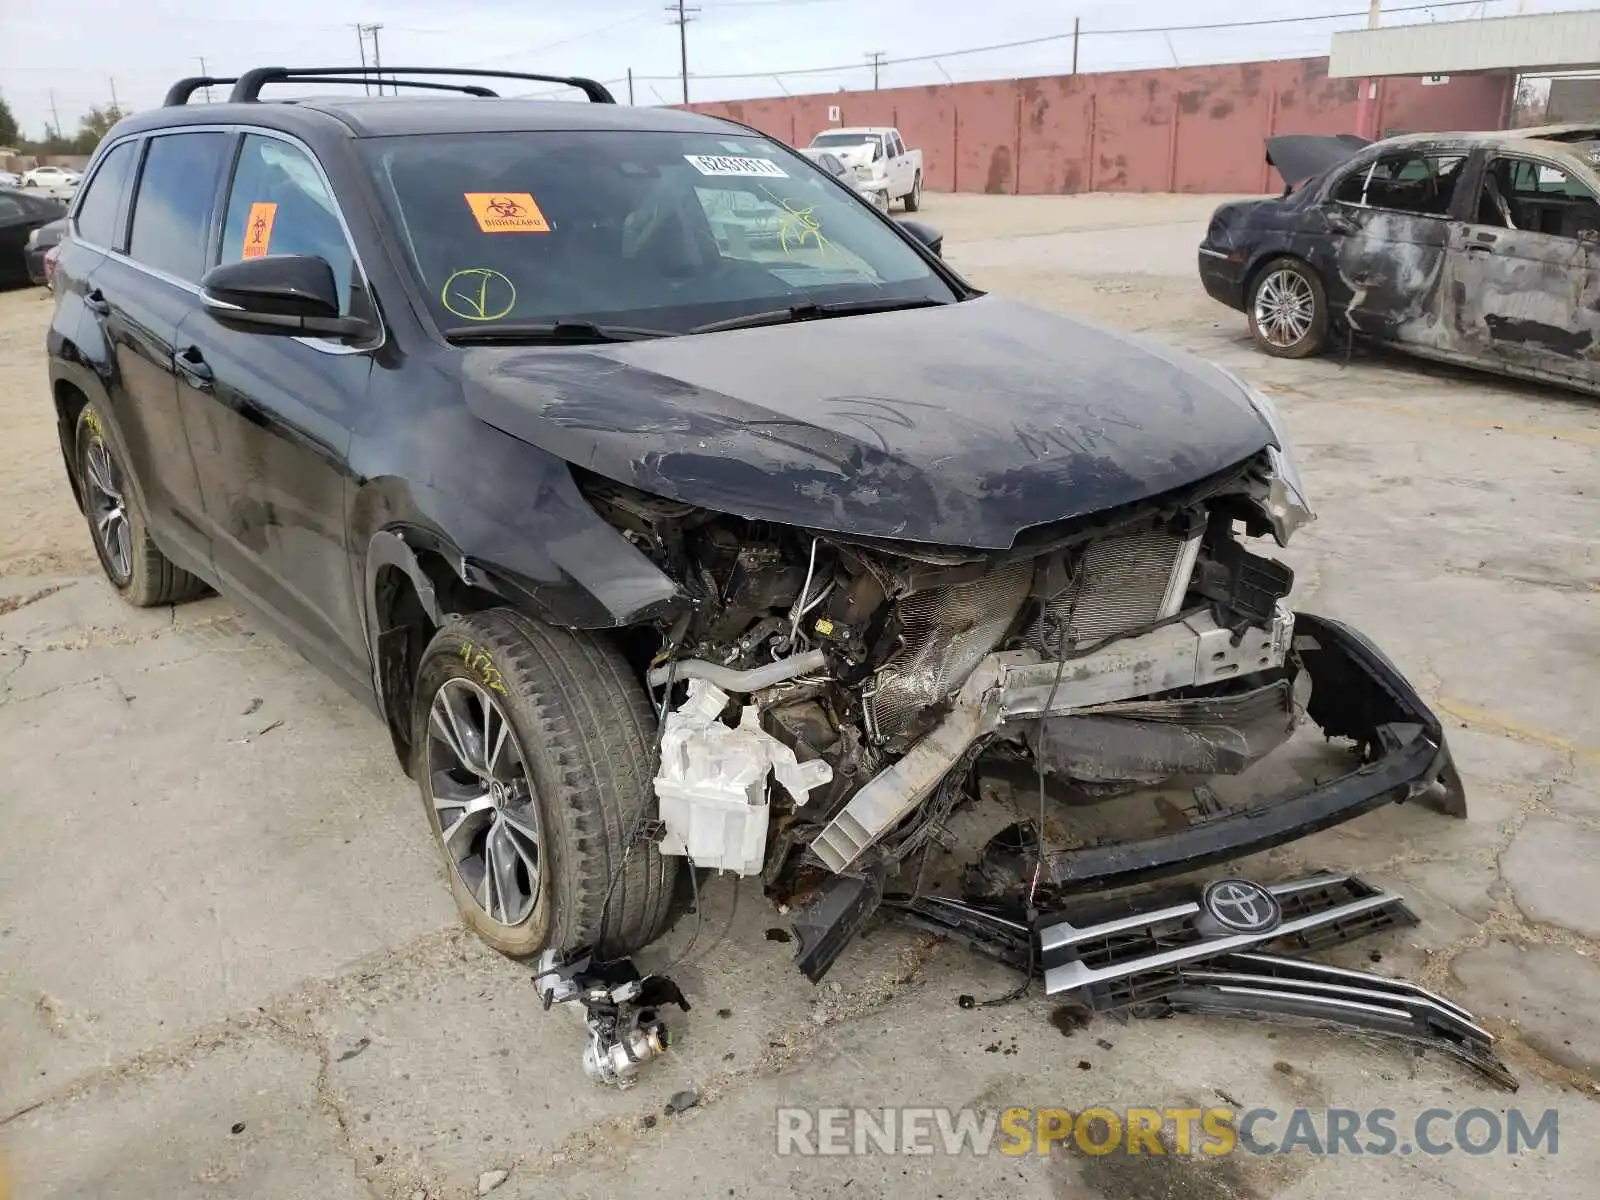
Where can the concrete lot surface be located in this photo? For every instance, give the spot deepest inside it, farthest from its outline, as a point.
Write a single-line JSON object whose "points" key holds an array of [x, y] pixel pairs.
{"points": [[229, 965]]}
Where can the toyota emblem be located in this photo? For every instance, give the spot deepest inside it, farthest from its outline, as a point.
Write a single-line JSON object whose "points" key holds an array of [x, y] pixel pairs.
{"points": [[1240, 906]]}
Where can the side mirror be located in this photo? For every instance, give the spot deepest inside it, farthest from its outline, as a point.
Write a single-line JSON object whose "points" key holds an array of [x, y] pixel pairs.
{"points": [[926, 234], [291, 294]]}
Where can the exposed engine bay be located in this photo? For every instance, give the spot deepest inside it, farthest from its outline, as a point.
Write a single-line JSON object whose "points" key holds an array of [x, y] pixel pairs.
{"points": [[826, 702], [870, 673]]}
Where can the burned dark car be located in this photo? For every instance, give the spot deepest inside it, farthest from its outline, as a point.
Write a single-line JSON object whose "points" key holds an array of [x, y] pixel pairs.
{"points": [[1481, 249], [662, 549]]}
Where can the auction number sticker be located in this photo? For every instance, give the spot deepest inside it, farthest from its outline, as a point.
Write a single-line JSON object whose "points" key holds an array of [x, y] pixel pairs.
{"points": [[733, 164], [506, 212], [258, 229]]}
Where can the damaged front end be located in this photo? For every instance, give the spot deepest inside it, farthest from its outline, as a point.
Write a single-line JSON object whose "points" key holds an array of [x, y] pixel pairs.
{"points": [[872, 679]]}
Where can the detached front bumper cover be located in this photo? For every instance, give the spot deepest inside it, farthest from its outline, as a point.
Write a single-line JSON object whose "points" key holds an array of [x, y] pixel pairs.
{"points": [[1357, 693]]}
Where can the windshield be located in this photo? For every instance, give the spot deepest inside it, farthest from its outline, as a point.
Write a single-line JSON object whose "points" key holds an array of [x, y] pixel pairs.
{"points": [[659, 230], [844, 139]]}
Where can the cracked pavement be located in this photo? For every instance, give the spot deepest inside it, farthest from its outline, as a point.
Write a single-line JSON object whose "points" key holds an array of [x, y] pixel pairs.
{"points": [[229, 964]]}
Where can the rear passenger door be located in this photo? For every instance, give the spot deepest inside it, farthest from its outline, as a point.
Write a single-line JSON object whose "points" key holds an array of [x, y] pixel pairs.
{"points": [[147, 291], [1393, 216], [1526, 270], [271, 426]]}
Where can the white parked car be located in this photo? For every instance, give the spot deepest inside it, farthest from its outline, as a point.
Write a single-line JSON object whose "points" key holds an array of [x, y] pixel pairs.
{"points": [[51, 177], [7, 179], [831, 163], [880, 160]]}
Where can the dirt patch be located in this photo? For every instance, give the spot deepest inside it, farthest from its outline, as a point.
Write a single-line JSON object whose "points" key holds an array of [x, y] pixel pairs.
{"points": [[43, 532]]}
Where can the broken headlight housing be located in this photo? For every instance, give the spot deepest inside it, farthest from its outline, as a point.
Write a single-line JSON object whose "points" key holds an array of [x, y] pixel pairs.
{"points": [[1286, 503]]}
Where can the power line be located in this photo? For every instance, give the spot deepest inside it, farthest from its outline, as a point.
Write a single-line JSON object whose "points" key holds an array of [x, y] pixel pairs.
{"points": [[1059, 37], [577, 37]]}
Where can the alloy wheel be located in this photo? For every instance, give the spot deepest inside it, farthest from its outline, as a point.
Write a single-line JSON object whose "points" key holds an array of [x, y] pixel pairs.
{"points": [[1285, 307], [484, 800], [109, 511]]}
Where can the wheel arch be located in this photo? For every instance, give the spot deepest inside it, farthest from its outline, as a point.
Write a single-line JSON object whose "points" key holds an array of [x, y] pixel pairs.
{"points": [[414, 583], [1264, 258], [70, 401]]}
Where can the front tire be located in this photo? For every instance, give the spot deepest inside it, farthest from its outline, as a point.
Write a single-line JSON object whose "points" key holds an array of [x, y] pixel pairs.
{"points": [[135, 566], [1288, 309], [535, 752], [914, 196]]}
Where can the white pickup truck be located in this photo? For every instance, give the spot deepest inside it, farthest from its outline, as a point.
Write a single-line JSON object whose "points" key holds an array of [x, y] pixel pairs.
{"points": [[880, 161]]}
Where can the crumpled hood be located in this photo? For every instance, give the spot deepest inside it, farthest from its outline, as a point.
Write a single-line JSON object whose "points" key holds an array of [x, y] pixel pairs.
{"points": [[961, 425]]}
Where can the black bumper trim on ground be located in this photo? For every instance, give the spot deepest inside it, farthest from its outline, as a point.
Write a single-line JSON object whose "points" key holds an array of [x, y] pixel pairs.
{"points": [[1356, 692]]}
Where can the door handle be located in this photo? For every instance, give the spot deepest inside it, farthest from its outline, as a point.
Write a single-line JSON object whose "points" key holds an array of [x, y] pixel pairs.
{"points": [[97, 303], [193, 367], [1480, 248]]}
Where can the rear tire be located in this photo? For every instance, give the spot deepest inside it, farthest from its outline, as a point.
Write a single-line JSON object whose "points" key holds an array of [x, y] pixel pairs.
{"points": [[564, 793], [1288, 309], [134, 565], [914, 196]]}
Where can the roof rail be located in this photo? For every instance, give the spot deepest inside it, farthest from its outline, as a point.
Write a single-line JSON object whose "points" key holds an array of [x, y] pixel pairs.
{"points": [[468, 89], [180, 92], [247, 87]]}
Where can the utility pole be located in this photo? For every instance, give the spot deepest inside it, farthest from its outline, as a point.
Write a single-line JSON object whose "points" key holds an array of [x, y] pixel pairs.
{"points": [[55, 115], [377, 58], [361, 45], [1075, 22], [630, 87], [112, 79], [1366, 119], [876, 58], [207, 74], [680, 15]]}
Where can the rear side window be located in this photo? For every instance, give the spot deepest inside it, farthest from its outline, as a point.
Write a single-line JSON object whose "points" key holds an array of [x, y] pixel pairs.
{"points": [[279, 205], [1406, 182], [12, 209], [101, 207], [177, 195], [1518, 193]]}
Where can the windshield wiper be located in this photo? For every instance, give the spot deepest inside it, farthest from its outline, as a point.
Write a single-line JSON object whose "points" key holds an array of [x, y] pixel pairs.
{"points": [[576, 333], [813, 312]]}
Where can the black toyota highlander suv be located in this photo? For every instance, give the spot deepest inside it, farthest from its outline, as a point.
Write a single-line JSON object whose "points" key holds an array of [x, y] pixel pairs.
{"points": [[619, 457]]}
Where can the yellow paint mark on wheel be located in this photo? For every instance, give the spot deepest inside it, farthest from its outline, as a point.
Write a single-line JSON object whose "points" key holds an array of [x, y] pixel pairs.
{"points": [[479, 662]]}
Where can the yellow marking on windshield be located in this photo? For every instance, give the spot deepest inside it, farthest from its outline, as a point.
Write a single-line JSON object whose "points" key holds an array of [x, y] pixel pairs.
{"points": [[478, 294], [798, 228]]}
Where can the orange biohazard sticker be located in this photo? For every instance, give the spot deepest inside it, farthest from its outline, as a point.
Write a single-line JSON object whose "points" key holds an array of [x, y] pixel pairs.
{"points": [[258, 229], [506, 212]]}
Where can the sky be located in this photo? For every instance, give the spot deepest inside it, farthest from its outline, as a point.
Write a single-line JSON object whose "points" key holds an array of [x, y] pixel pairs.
{"points": [[131, 51]]}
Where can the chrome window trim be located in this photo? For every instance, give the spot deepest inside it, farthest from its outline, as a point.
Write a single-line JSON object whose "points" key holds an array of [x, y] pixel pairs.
{"points": [[322, 345]]}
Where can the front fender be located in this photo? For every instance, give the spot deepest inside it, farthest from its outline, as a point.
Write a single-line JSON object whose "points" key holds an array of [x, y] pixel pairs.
{"points": [[508, 518]]}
